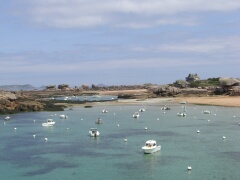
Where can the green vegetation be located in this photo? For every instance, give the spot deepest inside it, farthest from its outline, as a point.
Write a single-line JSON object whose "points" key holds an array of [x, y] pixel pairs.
{"points": [[205, 83], [213, 81]]}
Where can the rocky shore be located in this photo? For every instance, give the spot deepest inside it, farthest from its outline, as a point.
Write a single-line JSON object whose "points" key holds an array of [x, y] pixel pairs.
{"points": [[43, 100]]}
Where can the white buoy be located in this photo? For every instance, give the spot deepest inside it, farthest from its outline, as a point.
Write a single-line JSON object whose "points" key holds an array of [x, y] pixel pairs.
{"points": [[117, 125], [224, 137], [46, 139], [234, 116], [215, 114], [145, 128], [198, 131], [34, 120], [67, 128], [208, 120], [34, 135], [125, 140], [158, 119], [189, 168], [15, 128]]}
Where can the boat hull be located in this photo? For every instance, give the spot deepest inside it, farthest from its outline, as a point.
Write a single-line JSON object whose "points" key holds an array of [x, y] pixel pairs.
{"points": [[150, 150], [47, 124]]}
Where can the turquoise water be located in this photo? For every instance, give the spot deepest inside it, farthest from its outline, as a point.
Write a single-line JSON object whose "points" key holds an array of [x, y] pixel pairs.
{"points": [[70, 153]]}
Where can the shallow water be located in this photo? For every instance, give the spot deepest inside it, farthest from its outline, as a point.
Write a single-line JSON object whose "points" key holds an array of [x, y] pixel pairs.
{"points": [[70, 153]]}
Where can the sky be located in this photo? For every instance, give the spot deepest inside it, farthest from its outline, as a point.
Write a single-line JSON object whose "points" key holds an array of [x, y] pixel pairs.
{"points": [[117, 42]]}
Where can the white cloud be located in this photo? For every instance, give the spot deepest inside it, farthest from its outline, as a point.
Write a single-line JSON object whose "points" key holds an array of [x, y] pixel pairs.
{"points": [[123, 13], [222, 46], [27, 64]]}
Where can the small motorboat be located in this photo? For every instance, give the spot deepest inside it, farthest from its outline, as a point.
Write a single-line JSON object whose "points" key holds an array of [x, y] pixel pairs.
{"points": [[165, 108], [141, 110], [151, 147], [104, 111], [181, 114], [7, 118], [62, 116], [49, 122], [183, 102], [136, 115], [98, 121], [94, 132], [207, 112]]}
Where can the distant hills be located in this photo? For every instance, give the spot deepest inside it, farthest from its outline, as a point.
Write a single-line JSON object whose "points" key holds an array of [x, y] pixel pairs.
{"points": [[20, 87]]}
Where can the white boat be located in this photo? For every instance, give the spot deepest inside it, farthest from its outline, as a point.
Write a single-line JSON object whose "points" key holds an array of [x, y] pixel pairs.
{"points": [[207, 112], [98, 121], [165, 108], [136, 115], [151, 147], [7, 118], [183, 102], [62, 116], [49, 122], [94, 132], [46, 124], [141, 110], [181, 114], [104, 111]]}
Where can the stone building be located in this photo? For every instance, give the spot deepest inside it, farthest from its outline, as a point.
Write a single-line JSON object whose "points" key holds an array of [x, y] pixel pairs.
{"points": [[192, 77]]}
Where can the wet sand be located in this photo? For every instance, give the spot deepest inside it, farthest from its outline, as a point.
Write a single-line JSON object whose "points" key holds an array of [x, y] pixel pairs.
{"points": [[228, 101]]}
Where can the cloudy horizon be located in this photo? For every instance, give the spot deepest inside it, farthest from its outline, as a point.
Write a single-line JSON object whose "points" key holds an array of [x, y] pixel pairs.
{"points": [[117, 42]]}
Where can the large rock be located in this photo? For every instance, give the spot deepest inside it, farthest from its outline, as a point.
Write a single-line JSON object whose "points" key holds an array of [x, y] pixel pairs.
{"points": [[164, 90], [181, 83], [229, 81], [235, 91]]}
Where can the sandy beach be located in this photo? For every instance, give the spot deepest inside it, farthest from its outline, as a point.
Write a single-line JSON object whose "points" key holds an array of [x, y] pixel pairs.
{"points": [[216, 101], [228, 101]]}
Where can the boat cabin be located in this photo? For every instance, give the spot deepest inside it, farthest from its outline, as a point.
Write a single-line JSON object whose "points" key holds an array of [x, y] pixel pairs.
{"points": [[93, 130], [151, 143], [50, 120]]}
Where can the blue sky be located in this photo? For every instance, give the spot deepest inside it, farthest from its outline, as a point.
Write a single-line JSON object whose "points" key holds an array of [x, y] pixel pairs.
{"points": [[77, 42]]}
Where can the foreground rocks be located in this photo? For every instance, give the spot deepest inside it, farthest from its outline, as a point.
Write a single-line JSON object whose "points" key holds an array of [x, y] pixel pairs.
{"points": [[14, 102]]}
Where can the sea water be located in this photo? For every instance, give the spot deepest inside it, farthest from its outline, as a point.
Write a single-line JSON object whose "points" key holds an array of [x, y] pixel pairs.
{"points": [[70, 153]]}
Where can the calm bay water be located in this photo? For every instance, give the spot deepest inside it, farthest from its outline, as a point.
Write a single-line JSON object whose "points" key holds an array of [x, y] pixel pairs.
{"points": [[70, 153]]}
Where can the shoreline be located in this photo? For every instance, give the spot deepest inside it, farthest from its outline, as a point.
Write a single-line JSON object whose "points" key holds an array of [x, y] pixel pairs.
{"points": [[11, 103], [227, 101], [224, 101]]}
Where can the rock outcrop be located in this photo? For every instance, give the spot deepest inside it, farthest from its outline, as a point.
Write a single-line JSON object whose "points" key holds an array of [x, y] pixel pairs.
{"points": [[164, 90], [13, 102]]}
